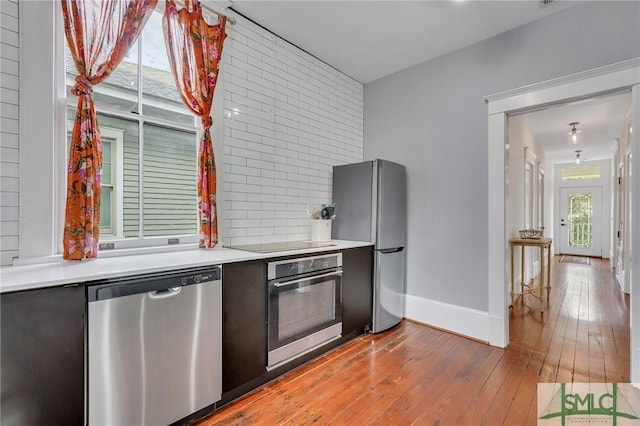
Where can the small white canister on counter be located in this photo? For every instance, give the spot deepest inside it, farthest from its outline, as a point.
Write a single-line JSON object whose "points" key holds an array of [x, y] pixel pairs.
{"points": [[321, 229]]}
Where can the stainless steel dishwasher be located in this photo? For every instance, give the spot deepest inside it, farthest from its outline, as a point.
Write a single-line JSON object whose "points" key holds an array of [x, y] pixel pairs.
{"points": [[154, 347]]}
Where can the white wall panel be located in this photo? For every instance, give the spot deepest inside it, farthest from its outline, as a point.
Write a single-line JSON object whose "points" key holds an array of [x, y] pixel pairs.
{"points": [[288, 119]]}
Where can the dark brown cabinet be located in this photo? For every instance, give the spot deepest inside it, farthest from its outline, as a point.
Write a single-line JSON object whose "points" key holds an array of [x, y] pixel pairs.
{"points": [[244, 319], [357, 290], [43, 340], [42, 350], [244, 329]]}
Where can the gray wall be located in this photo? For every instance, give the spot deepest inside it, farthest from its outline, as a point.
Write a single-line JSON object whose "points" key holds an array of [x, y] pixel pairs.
{"points": [[433, 118]]}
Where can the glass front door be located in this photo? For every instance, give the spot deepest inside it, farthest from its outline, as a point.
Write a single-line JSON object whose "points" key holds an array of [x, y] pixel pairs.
{"points": [[580, 221]]}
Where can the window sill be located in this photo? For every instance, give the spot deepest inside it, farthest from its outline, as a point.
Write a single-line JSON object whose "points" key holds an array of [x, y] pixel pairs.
{"points": [[106, 254]]}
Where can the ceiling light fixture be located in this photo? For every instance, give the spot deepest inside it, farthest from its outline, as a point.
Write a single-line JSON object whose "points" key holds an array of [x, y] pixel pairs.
{"points": [[578, 160], [574, 132]]}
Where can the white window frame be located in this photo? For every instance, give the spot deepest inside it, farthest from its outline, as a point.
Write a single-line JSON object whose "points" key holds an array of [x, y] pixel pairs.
{"points": [[530, 184], [541, 192], [117, 243], [42, 156], [116, 137]]}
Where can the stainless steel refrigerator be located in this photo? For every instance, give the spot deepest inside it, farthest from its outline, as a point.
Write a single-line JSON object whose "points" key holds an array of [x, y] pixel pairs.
{"points": [[370, 205]]}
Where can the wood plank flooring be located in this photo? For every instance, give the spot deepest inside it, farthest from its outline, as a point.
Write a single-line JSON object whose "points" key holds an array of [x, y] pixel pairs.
{"points": [[417, 375]]}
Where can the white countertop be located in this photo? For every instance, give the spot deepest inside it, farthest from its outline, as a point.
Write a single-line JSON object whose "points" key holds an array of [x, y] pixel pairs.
{"points": [[15, 278]]}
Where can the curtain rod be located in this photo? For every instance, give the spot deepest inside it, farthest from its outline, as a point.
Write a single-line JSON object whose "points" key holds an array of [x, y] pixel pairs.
{"points": [[230, 19]]}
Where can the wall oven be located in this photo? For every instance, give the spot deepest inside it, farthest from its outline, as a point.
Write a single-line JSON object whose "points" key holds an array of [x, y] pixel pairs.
{"points": [[304, 306]]}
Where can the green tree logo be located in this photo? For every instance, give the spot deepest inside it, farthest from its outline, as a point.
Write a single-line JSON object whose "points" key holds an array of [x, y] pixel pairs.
{"points": [[602, 400]]}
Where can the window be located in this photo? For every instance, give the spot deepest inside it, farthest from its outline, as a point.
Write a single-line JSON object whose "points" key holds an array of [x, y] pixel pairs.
{"points": [[111, 209], [540, 196], [580, 218], [529, 197], [108, 220], [581, 173], [149, 147]]}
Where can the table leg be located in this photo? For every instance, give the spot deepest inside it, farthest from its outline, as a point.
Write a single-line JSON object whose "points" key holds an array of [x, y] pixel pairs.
{"points": [[541, 278], [522, 270], [548, 271], [512, 274]]}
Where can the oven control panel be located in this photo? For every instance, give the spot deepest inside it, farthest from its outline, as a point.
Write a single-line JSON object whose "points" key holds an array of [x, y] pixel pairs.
{"points": [[303, 265]]}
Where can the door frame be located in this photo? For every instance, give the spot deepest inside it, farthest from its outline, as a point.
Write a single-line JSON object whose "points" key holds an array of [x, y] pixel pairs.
{"points": [[598, 227], [628, 217], [620, 76]]}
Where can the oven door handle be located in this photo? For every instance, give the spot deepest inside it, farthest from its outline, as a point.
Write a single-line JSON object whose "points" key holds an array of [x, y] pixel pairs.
{"points": [[286, 283]]}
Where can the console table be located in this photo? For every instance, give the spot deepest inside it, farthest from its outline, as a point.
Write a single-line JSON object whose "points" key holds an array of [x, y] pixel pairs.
{"points": [[542, 243]]}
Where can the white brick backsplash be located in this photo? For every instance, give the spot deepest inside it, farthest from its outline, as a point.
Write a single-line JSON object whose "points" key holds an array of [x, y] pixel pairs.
{"points": [[9, 110], [234, 159], [9, 228], [274, 189], [263, 181], [261, 231], [11, 96], [260, 214], [239, 205], [9, 128], [230, 141], [261, 197], [9, 213], [260, 164], [239, 187], [228, 177], [235, 232], [11, 184], [234, 196], [244, 154], [245, 223], [236, 214], [245, 171], [9, 155]]}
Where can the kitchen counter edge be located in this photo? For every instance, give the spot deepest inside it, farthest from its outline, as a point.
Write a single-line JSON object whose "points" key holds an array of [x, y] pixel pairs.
{"points": [[28, 277]]}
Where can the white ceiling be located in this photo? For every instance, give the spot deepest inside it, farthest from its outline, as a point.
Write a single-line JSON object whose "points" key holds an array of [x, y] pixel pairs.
{"points": [[601, 119], [368, 40]]}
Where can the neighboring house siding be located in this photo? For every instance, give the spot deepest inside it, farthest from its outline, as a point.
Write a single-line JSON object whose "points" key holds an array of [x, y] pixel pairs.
{"points": [[288, 118], [169, 173], [9, 146], [170, 201]]}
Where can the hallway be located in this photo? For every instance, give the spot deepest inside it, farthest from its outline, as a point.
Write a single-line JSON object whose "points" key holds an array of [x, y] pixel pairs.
{"points": [[584, 336], [417, 375]]}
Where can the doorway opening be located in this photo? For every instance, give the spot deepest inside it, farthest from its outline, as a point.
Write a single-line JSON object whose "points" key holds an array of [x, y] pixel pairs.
{"points": [[579, 207], [580, 220], [574, 88]]}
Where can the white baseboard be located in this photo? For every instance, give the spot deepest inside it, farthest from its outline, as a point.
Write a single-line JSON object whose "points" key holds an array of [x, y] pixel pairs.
{"points": [[620, 279], [635, 361], [457, 319]]}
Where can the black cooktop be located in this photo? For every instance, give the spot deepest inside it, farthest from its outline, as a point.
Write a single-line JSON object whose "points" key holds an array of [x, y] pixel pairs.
{"points": [[281, 246]]}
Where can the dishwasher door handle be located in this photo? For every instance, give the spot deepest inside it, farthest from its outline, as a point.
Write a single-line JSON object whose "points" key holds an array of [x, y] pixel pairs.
{"points": [[164, 294]]}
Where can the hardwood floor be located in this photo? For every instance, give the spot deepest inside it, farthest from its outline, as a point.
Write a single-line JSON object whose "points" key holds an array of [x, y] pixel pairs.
{"points": [[417, 375]]}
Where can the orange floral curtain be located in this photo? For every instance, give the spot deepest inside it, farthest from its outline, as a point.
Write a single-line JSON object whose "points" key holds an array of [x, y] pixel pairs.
{"points": [[99, 34], [195, 48]]}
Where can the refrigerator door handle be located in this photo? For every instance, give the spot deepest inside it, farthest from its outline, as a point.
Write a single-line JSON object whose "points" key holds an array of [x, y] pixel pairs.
{"points": [[391, 250]]}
